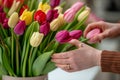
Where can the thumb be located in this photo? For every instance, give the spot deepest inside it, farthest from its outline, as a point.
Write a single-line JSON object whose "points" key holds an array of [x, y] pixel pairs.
{"points": [[75, 42]]}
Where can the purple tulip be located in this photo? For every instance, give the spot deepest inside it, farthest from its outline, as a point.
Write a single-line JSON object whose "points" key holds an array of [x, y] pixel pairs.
{"points": [[77, 6], [69, 15], [20, 28], [76, 34], [54, 3], [45, 28], [63, 36], [52, 14]]}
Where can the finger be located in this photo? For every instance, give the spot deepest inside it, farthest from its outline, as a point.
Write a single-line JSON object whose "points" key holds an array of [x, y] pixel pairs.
{"points": [[61, 61], [76, 43], [64, 55]]}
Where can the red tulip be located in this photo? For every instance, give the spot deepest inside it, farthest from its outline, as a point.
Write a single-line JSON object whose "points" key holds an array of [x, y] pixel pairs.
{"points": [[2, 17], [45, 28], [7, 3], [23, 8], [76, 34], [5, 24], [40, 16], [63, 36]]}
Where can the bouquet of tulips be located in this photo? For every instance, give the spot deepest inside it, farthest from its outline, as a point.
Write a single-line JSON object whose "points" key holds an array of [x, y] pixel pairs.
{"points": [[31, 31]]}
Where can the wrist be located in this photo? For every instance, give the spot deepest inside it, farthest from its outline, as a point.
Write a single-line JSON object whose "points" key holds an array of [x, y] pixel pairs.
{"points": [[98, 57]]}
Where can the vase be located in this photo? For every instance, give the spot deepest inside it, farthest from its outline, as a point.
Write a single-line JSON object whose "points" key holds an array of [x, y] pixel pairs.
{"points": [[45, 77]]}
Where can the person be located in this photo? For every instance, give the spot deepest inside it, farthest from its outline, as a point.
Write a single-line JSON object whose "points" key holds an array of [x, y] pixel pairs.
{"points": [[85, 56]]}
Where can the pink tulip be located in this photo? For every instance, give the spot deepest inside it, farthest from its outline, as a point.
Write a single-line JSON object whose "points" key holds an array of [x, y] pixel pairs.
{"points": [[45, 28], [69, 15], [20, 28], [54, 3], [93, 33], [77, 6], [76, 34], [52, 14], [63, 36]]}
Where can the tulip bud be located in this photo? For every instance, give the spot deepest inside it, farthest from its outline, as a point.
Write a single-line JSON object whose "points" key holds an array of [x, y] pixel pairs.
{"points": [[93, 33], [52, 14], [83, 15], [14, 7], [54, 3], [63, 36], [7, 3], [57, 23], [44, 7], [36, 39], [20, 28], [59, 8], [13, 20], [45, 28], [77, 6], [40, 16], [76, 34], [27, 17], [69, 15]]}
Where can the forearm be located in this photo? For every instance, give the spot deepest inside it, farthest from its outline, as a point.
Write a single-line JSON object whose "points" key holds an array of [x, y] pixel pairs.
{"points": [[110, 61]]}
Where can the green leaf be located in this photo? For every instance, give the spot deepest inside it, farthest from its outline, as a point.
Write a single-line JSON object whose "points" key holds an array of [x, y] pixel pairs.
{"points": [[2, 71], [40, 63], [50, 66], [44, 1]]}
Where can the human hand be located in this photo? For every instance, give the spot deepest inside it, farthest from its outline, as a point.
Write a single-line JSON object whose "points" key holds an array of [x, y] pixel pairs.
{"points": [[107, 30], [82, 58]]}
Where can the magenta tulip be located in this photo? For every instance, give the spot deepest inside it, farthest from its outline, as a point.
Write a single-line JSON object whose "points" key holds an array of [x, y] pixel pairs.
{"points": [[52, 14], [76, 34], [2, 17], [1, 9], [5, 24], [54, 3], [45, 28], [93, 33], [20, 28], [63, 36], [77, 6]]}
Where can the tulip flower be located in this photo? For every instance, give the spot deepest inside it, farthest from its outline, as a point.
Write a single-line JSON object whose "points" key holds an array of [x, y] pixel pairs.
{"points": [[20, 28], [7, 3], [93, 33], [44, 7], [2, 17], [1, 9], [13, 20], [59, 8], [36, 39], [69, 15], [14, 7], [24, 7], [45, 28], [63, 36], [5, 24], [84, 14], [40, 16], [27, 16], [54, 3], [57, 23], [52, 14], [76, 34], [77, 6]]}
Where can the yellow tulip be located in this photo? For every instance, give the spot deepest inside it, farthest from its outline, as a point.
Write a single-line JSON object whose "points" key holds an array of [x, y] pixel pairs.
{"points": [[14, 7], [44, 7], [27, 16], [84, 14], [57, 23], [36, 39], [13, 20]]}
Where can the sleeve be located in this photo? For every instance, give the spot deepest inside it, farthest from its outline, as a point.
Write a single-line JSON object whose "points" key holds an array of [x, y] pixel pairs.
{"points": [[110, 61]]}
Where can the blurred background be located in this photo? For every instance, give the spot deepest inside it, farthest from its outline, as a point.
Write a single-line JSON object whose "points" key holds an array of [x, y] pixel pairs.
{"points": [[108, 10]]}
